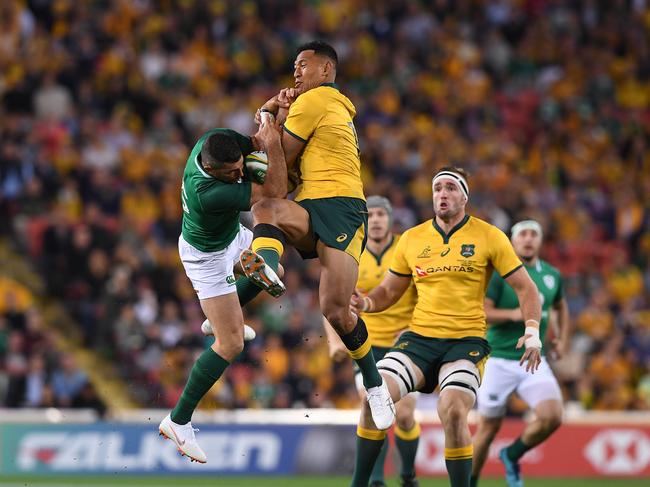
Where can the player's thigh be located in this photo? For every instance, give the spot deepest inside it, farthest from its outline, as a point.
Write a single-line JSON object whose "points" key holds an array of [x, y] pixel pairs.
{"points": [[211, 273], [338, 277], [540, 386], [459, 383], [403, 374], [225, 315], [289, 217], [500, 378], [462, 365]]}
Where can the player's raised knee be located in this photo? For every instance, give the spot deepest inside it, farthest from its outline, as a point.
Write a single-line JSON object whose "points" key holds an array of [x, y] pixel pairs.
{"points": [[265, 209]]}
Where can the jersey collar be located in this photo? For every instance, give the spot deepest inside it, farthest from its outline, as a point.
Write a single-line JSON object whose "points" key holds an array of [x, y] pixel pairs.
{"points": [[446, 237], [537, 266], [200, 168], [381, 254], [331, 85]]}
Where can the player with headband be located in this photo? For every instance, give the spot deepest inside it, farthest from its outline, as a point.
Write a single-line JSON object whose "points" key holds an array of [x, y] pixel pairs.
{"points": [[449, 259]]}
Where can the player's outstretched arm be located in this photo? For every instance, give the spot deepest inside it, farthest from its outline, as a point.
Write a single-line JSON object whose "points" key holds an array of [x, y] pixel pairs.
{"points": [[381, 297], [531, 309], [275, 183], [563, 334]]}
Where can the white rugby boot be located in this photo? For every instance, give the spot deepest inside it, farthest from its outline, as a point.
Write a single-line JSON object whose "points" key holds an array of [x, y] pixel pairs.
{"points": [[261, 274], [183, 436], [381, 405], [249, 333]]}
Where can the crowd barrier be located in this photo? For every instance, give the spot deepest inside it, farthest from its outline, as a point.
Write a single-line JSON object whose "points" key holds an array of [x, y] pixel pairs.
{"points": [[296, 442]]}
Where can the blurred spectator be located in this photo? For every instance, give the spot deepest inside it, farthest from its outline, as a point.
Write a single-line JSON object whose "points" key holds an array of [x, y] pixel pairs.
{"points": [[68, 381]]}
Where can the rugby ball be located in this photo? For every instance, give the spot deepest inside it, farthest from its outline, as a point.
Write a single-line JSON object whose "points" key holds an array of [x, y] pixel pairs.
{"points": [[257, 163]]}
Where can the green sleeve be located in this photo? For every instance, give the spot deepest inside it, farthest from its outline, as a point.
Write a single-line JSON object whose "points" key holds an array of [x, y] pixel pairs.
{"points": [[216, 196], [495, 287], [560, 290]]}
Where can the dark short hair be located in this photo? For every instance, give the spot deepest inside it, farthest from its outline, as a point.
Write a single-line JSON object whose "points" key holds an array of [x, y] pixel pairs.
{"points": [[321, 48], [219, 149], [457, 170]]}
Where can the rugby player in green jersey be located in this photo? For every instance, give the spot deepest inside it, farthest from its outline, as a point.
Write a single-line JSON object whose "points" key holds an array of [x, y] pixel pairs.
{"points": [[215, 189], [503, 375]]}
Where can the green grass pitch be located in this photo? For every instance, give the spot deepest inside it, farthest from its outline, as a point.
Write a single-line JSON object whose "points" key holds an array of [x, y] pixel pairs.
{"points": [[215, 481]]}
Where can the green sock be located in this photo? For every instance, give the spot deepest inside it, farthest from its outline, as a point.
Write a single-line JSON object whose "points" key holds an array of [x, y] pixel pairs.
{"points": [[367, 452], [270, 256], [407, 446], [268, 243], [459, 471], [377, 474], [358, 344], [459, 465], [473, 481], [205, 372], [246, 290], [517, 449]]}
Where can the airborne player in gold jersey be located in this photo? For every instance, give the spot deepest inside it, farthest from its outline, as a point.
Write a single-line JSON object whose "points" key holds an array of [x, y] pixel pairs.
{"points": [[328, 218]]}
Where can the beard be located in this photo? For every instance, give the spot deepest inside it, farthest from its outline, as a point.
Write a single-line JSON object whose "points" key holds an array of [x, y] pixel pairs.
{"points": [[378, 237]]}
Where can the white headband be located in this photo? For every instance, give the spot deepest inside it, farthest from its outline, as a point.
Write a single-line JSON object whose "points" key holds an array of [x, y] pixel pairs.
{"points": [[457, 178], [519, 227]]}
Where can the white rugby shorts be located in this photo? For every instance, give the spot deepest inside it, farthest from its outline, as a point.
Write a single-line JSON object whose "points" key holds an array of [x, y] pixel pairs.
{"points": [[503, 376], [211, 273]]}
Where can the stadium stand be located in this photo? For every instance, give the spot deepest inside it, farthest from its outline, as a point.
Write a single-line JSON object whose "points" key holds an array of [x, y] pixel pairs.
{"points": [[546, 104]]}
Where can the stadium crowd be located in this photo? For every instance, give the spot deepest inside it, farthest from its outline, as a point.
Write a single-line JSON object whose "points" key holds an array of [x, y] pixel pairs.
{"points": [[546, 103], [33, 372]]}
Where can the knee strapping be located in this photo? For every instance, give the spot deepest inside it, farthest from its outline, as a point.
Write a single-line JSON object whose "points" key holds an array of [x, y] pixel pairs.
{"points": [[398, 366], [463, 376]]}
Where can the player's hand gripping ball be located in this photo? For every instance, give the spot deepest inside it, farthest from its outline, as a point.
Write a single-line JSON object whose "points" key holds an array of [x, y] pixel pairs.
{"points": [[257, 163]]}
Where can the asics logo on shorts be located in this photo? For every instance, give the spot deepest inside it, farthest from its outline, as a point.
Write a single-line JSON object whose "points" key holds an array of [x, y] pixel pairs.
{"points": [[474, 353], [342, 237]]}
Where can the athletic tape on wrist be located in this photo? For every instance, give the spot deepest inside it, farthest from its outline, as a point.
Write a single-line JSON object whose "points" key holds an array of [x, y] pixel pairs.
{"points": [[368, 304], [533, 341]]}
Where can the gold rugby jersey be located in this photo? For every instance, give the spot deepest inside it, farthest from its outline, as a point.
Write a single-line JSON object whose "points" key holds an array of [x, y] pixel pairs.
{"points": [[384, 327], [451, 273], [329, 164]]}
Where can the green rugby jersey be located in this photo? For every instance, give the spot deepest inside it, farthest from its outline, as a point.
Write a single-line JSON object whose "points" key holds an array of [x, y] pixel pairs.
{"points": [[211, 207], [503, 336]]}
